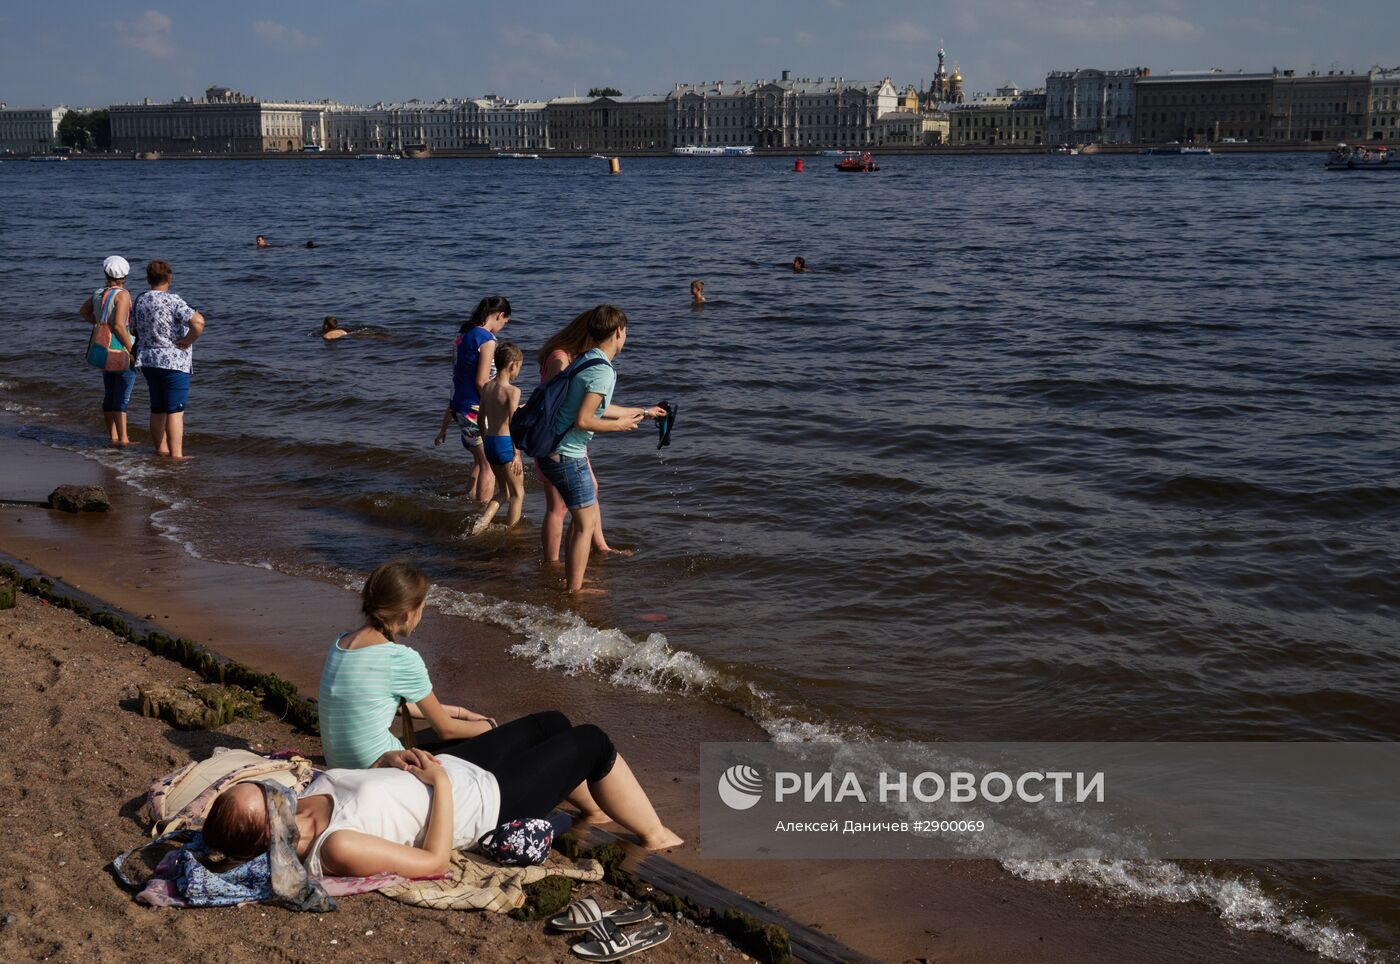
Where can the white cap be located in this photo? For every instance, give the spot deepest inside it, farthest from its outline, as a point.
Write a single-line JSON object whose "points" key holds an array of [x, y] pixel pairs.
{"points": [[116, 267]]}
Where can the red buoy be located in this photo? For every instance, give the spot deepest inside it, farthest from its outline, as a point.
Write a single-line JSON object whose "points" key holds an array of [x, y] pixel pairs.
{"points": [[798, 166]]}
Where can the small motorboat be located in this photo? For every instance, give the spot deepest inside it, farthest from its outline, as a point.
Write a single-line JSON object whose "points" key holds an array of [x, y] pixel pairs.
{"points": [[49, 157], [838, 153], [514, 156], [860, 164], [376, 157], [1363, 158]]}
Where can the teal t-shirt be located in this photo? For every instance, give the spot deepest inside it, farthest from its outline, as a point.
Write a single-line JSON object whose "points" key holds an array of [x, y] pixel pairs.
{"points": [[359, 695], [601, 379]]}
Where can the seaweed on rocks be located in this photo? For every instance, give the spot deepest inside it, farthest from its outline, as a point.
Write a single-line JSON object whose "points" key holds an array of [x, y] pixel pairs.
{"points": [[276, 694]]}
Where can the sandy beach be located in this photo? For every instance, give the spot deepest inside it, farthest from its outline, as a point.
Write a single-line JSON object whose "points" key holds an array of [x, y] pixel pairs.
{"points": [[82, 682]]}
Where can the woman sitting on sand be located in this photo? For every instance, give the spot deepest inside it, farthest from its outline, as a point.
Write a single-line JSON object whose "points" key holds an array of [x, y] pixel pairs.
{"points": [[407, 816], [367, 674]]}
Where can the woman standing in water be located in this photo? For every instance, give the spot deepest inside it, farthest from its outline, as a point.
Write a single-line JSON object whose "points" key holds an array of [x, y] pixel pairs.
{"points": [[112, 304], [587, 408], [558, 354], [166, 329], [473, 367]]}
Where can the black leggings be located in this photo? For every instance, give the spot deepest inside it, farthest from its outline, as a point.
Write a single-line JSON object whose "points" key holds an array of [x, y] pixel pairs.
{"points": [[537, 760]]}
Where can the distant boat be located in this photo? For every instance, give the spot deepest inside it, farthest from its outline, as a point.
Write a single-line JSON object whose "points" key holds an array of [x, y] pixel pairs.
{"points": [[49, 157], [512, 156], [1175, 151], [376, 157], [417, 152], [734, 150], [837, 153], [1363, 158], [599, 157], [861, 164]]}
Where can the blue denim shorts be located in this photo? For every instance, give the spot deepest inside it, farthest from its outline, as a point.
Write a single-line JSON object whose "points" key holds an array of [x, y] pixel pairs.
{"points": [[116, 389], [169, 389], [572, 478]]}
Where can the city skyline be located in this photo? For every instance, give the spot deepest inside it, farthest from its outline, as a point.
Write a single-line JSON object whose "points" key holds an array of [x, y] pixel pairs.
{"points": [[369, 50]]}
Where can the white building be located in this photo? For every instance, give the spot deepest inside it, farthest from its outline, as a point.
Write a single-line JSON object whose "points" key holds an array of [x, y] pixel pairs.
{"points": [[1091, 106], [29, 130], [826, 112]]}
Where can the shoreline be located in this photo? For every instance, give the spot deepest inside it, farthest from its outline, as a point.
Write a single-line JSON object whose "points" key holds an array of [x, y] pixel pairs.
{"points": [[884, 150], [956, 911]]}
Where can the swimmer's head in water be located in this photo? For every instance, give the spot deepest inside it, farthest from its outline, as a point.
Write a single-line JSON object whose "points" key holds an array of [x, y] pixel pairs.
{"points": [[697, 287], [261, 241], [330, 324], [486, 308], [799, 264], [509, 358], [311, 244]]}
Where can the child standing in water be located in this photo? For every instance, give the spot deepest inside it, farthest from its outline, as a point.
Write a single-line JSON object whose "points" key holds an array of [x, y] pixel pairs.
{"points": [[499, 400], [474, 366]]}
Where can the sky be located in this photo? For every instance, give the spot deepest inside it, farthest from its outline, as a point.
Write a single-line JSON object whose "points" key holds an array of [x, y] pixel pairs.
{"points": [[87, 53]]}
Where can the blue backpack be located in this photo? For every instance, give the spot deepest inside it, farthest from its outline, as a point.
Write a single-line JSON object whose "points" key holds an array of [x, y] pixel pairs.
{"points": [[532, 429]]}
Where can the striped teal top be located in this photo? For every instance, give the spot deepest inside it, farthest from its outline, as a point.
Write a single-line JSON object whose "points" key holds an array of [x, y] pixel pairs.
{"points": [[359, 695]]}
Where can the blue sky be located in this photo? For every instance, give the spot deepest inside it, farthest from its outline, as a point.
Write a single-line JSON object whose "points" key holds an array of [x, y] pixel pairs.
{"points": [[360, 51]]}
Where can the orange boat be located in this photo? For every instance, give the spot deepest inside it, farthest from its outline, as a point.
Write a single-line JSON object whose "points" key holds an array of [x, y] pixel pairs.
{"points": [[864, 164]]}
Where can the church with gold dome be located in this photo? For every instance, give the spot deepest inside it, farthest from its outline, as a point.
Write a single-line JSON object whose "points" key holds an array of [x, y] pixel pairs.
{"points": [[946, 88]]}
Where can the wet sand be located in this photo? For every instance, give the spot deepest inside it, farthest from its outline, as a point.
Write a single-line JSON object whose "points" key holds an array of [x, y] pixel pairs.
{"points": [[896, 910]]}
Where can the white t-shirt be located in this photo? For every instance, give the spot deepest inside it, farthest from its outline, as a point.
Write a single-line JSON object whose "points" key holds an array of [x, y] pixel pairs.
{"points": [[394, 804]]}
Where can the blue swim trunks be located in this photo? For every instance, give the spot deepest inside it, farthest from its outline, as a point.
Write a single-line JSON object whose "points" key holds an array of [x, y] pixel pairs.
{"points": [[500, 449]]}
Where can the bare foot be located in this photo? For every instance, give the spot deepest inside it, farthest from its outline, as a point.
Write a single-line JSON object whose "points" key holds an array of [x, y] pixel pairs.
{"points": [[664, 839], [596, 819], [588, 591], [480, 526]]}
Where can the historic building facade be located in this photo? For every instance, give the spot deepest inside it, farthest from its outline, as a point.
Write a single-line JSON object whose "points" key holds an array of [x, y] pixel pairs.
{"points": [[1091, 106], [1204, 107], [1320, 108], [603, 124], [1010, 118], [784, 113], [29, 130], [223, 121], [1383, 113]]}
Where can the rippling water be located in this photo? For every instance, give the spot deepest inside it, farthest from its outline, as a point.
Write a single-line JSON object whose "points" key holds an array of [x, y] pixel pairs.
{"points": [[1042, 448]]}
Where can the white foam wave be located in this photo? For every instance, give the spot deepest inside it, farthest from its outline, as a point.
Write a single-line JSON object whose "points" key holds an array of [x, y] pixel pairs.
{"points": [[1240, 902]]}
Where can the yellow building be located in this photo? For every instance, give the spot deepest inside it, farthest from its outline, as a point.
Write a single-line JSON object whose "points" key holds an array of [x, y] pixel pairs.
{"points": [[1011, 118]]}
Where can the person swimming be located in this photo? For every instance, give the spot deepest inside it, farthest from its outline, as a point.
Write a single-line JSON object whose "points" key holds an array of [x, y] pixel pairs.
{"points": [[697, 292], [331, 329], [311, 244], [261, 241], [799, 264]]}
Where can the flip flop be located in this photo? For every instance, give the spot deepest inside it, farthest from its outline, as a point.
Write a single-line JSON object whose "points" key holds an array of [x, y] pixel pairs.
{"points": [[664, 424], [583, 914], [613, 945]]}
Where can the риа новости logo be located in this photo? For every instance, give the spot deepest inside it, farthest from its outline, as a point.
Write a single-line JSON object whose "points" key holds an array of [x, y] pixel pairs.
{"points": [[740, 787]]}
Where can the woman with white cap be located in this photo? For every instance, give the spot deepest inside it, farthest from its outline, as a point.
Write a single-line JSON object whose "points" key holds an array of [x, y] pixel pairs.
{"points": [[112, 302]]}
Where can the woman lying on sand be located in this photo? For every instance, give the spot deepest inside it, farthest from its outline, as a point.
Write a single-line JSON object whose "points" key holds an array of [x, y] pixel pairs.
{"points": [[407, 816]]}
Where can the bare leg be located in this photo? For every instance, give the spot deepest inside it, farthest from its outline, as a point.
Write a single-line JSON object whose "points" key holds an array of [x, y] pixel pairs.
{"points": [[589, 813], [599, 542], [158, 433], [484, 478], [621, 797], [552, 529], [512, 481], [112, 433], [581, 529], [121, 429], [479, 526], [175, 434]]}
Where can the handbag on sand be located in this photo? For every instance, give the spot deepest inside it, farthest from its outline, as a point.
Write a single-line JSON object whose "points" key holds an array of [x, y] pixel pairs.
{"points": [[104, 349]]}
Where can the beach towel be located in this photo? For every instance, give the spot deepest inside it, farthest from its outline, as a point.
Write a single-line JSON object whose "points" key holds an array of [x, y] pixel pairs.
{"points": [[182, 799], [475, 883]]}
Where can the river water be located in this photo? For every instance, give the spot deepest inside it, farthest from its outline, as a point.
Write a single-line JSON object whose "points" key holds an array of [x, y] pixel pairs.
{"points": [[1041, 447]]}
